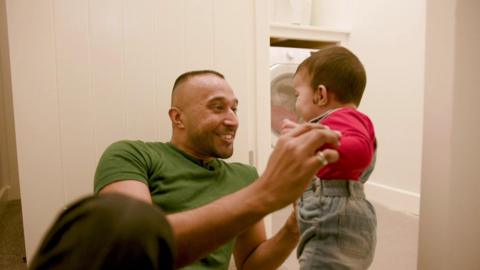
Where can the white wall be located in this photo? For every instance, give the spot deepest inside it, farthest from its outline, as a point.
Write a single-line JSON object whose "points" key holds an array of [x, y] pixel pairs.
{"points": [[88, 73], [8, 154], [450, 208], [389, 38]]}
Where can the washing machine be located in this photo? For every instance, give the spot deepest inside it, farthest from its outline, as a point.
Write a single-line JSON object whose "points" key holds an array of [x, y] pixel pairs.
{"points": [[283, 64]]}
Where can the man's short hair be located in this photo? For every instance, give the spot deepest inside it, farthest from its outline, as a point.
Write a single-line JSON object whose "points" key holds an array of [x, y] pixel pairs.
{"points": [[189, 74], [339, 70]]}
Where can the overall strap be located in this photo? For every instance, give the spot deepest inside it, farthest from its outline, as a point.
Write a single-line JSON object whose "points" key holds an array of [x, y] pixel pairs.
{"points": [[322, 116], [368, 171]]}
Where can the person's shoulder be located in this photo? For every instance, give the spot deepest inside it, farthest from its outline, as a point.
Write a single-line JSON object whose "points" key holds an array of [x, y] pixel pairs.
{"points": [[135, 147], [239, 166], [243, 169], [136, 144], [348, 112], [349, 115], [242, 166], [126, 145], [347, 120]]}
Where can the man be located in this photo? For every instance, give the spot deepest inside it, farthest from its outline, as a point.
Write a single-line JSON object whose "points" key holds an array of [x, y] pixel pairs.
{"points": [[214, 207]]}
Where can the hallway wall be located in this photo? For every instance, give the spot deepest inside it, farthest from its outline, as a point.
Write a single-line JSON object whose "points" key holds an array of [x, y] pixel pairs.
{"points": [[450, 204], [8, 154], [389, 38]]}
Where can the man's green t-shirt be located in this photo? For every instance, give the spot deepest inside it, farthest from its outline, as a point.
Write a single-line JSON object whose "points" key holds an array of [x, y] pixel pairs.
{"points": [[177, 181]]}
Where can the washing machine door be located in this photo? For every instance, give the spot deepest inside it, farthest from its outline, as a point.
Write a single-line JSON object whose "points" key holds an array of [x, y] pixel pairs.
{"points": [[282, 97]]}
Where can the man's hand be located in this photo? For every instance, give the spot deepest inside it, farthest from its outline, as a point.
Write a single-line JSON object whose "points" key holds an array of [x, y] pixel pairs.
{"points": [[295, 160]]}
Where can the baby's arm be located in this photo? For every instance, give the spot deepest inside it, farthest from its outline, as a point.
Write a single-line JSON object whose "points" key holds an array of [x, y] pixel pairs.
{"points": [[287, 125], [356, 148]]}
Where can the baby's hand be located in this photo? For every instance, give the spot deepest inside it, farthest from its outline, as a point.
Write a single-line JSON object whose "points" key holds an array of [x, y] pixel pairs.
{"points": [[287, 125]]}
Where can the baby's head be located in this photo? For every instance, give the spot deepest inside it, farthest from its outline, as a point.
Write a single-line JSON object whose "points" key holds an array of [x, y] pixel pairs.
{"points": [[330, 78]]}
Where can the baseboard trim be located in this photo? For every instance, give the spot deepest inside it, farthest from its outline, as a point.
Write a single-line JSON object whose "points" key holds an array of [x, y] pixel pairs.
{"points": [[393, 198]]}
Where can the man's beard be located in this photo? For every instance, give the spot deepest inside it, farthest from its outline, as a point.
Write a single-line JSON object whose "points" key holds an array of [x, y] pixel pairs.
{"points": [[206, 146]]}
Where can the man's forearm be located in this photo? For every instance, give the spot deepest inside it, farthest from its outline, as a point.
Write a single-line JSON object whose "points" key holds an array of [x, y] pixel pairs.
{"points": [[200, 231], [273, 252]]}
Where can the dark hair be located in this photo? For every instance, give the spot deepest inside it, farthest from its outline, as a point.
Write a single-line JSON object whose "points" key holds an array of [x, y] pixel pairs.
{"points": [[189, 74], [339, 70]]}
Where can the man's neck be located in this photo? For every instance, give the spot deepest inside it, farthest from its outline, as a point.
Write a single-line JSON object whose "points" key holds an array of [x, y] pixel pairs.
{"points": [[188, 150]]}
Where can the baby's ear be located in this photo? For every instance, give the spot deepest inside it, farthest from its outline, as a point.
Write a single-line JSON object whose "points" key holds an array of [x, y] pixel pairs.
{"points": [[320, 96]]}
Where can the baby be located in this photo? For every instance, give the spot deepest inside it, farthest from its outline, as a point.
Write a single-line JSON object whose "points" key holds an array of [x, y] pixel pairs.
{"points": [[337, 223]]}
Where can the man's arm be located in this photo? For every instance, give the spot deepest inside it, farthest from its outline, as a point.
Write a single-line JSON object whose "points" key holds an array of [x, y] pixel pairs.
{"points": [[254, 251], [132, 188], [201, 230], [292, 164]]}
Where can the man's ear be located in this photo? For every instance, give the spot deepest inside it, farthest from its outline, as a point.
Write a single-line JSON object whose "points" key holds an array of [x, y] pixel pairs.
{"points": [[175, 115], [320, 95]]}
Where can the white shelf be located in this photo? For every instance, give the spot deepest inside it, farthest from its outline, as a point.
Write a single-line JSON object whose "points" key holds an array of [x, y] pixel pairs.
{"points": [[307, 34]]}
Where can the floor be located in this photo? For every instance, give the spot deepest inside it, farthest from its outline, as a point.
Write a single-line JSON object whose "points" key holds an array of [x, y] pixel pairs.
{"points": [[397, 238], [12, 244]]}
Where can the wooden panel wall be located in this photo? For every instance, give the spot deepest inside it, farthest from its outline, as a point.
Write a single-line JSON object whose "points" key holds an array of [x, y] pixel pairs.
{"points": [[88, 73]]}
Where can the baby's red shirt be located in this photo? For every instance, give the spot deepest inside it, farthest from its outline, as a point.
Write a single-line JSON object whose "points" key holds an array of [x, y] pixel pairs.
{"points": [[357, 144]]}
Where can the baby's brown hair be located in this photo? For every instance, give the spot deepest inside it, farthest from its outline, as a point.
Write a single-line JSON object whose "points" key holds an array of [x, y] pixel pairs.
{"points": [[339, 70]]}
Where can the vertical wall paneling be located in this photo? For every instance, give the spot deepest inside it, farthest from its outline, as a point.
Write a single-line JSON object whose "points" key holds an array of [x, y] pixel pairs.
{"points": [[88, 73], [139, 77], [35, 100], [262, 84], [250, 70], [262, 93], [107, 47], [75, 96], [169, 56], [199, 34], [232, 53]]}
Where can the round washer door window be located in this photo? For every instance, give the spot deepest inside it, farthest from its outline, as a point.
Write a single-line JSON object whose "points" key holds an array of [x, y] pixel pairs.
{"points": [[282, 96]]}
